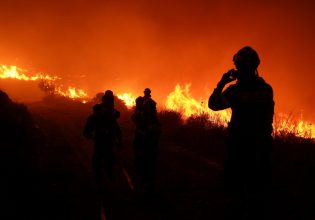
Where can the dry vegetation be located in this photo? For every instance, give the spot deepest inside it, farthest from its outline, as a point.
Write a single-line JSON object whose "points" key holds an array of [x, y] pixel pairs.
{"points": [[59, 180]]}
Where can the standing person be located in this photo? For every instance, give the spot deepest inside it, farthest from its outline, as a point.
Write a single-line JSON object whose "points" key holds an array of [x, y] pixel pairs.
{"points": [[247, 167], [147, 95], [103, 128], [20, 141], [146, 143]]}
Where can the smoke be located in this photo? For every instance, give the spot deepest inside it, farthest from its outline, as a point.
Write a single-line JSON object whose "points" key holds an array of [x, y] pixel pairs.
{"points": [[129, 45]]}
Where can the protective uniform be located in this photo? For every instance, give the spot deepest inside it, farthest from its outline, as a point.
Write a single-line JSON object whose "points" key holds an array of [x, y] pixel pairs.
{"points": [[247, 167], [103, 128], [146, 143]]}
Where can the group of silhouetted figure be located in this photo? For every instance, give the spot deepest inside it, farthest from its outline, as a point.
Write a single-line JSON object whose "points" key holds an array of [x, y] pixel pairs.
{"points": [[102, 127], [247, 166]]}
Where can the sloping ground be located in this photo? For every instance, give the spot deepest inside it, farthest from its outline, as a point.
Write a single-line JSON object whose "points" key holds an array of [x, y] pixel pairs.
{"points": [[189, 173], [66, 189]]}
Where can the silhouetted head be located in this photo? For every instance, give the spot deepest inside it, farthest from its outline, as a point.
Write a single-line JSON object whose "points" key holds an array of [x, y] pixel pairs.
{"points": [[246, 61], [147, 92], [108, 98], [4, 98]]}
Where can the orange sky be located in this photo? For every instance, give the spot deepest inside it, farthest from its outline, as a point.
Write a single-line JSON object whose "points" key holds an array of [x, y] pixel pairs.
{"points": [[130, 45]]}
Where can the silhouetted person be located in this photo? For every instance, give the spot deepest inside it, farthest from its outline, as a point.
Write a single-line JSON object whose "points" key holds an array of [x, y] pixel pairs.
{"points": [[103, 128], [247, 166], [146, 142], [147, 94], [17, 159]]}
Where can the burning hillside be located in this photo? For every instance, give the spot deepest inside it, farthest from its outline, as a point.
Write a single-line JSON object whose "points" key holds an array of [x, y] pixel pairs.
{"points": [[179, 100], [49, 84]]}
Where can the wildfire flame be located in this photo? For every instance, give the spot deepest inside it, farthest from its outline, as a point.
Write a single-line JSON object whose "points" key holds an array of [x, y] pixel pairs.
{"points": [[13, 72], [72, 93], [181, 100], [288, 124], [128, 99]]}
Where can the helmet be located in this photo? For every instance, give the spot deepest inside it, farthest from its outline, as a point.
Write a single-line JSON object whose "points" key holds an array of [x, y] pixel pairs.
{"points": [[108, 96], [246, 58], [108, 93], [147, 91]]}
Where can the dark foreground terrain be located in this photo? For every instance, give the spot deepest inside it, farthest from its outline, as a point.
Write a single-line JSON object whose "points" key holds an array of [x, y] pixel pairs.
{"points": [[58, 184]]}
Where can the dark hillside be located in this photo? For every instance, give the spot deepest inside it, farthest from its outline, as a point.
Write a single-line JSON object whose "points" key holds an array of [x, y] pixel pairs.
{"points": [[55, 159]]}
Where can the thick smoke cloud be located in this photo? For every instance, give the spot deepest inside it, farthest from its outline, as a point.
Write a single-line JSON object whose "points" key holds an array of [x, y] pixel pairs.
{"points": [[130, 45]]}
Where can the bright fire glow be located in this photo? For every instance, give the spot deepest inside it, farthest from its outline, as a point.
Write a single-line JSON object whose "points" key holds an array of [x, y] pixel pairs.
{"points": [[72, 93], [13, 72], [181, 100], [284, 124], [128, 99]]}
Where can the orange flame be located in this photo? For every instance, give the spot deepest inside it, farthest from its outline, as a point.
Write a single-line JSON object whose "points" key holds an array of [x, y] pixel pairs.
{"points": [[288, 124], [72, 93], [128, 99], [13, 72], [181, 100]]}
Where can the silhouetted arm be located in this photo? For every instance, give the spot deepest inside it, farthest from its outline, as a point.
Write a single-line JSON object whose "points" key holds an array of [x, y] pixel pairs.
{"points": [[218, 100]]}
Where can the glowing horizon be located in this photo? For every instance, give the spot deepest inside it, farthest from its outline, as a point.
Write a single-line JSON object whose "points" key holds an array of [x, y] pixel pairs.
{"points": [[180, 100], [13, 72]]}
